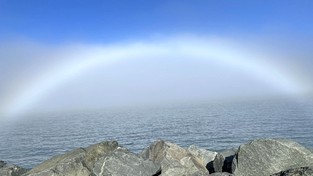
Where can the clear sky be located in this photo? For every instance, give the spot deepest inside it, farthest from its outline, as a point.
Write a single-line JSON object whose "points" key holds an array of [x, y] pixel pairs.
{"points": [[59, 55], [109, 20]]}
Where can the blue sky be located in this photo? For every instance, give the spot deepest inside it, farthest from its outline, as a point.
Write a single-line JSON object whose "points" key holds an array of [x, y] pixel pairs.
{"points": [[106, 21], [67, 55]]}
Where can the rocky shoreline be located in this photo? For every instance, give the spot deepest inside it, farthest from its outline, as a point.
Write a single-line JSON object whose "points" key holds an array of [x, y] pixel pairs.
{"points": [[275, 157]]}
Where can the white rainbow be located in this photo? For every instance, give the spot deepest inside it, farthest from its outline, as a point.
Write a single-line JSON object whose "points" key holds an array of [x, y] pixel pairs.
{"points": [[82, 61]]}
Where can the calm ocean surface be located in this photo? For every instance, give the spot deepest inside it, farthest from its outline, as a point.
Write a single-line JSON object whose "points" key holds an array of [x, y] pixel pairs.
{"points": [[214, 126]]}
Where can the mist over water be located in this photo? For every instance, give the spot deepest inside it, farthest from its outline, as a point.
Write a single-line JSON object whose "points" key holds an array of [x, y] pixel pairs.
{"points": [[75, 73], [171, 68], [212, 125]]}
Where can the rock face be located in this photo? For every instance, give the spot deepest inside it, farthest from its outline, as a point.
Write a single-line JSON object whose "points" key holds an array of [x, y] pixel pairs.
{"points": [[301, 171], [222, 162], [122, 162], [10, 169], [269, 156], [174, 160], [259, 157], [77, 162], [204, 155]]}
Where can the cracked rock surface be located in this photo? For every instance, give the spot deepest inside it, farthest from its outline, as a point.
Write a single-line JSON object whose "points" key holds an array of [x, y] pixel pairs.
{"points": [[77, 162], [269, 156], [301, 171], [122, 162], [204, 155], [174, 160], [260, 157]]}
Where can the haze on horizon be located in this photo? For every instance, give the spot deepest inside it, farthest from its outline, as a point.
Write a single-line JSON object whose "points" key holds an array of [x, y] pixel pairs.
{"points": [[61, 56]]}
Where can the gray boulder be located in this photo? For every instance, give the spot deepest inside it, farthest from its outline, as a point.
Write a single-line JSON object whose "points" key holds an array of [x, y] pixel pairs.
{"points": [[10, 169], [222, 161], [270, 156], [301, 171], [124, 163], [80, 161], [204, 155], [174, 160]]}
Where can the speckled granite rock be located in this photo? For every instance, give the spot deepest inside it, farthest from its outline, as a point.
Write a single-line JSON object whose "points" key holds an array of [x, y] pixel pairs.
{"points": [[204, 155], [174, 160], [122, 162], [77, 162], [10, 169], [257, 158], [269, 156], [301, 171]]}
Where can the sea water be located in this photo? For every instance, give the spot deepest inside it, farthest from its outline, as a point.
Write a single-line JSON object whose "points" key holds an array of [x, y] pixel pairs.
{"points": [[211, 125]]}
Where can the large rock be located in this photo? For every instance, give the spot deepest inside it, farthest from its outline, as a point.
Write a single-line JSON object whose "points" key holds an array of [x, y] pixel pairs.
{"points": [[122, 162], [174, 160], [204, 155], [269, 156], [77, 162], [222, 161], [10, 169], [301, 171]]}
